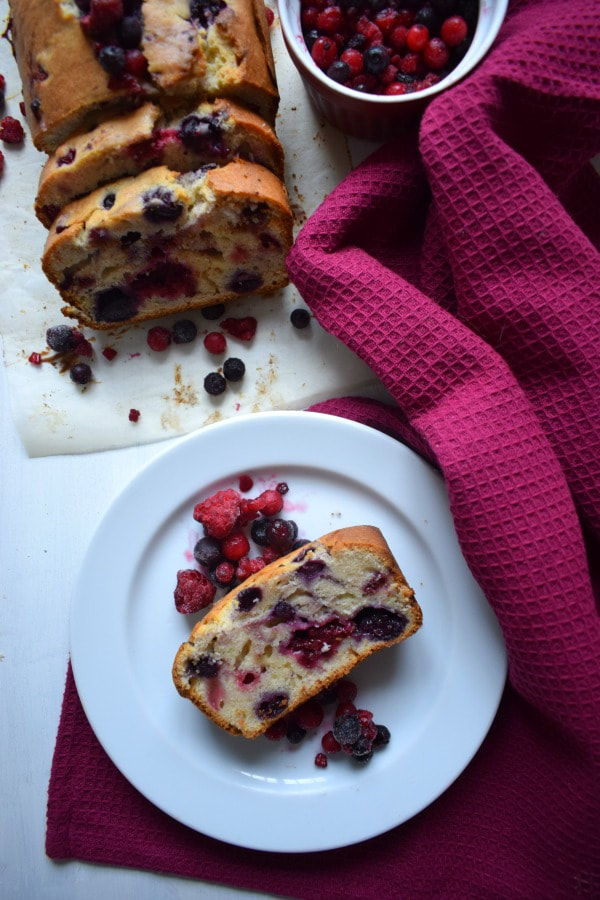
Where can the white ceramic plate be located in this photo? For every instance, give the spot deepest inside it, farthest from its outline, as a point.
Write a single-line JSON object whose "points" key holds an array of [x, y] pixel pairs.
{"points": [[437, 692]]}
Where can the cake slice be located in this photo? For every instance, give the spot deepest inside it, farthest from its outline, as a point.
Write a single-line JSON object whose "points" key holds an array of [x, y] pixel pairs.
{"points": [[211, 132], [294, 628], [163, 242]]}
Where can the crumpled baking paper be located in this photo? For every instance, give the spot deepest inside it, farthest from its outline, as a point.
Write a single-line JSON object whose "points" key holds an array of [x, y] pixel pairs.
{"points": [[286, 368]]}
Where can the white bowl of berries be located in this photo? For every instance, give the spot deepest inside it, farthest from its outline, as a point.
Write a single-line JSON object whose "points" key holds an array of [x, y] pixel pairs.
{"points": [[371, 66]]}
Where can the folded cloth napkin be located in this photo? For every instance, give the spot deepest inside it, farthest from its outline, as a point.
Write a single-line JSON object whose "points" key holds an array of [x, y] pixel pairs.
{"points": [[462, 264]]}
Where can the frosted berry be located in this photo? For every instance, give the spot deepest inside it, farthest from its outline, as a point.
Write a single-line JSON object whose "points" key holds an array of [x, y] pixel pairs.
{"points": [[215, 342], [247, 567], [207, 552], [11, 131], [80, 373], [223, 573], [214, 384], [193, 592], [61, 338], [218, 513], [321, 761], [347, 729], [329, 743], [234, 369], [184, 331], [158, 338], [324, 52], [362, 751], [271, 502], [436, 54], [383, 736], [258, 532], [281, 534]]}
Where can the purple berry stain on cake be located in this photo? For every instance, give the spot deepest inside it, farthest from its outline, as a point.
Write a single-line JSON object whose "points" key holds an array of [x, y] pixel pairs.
{"points": [[169, 280], [248, 598], [244, 282], [272, 705], [375, 583], [114, 305], [316, 642], [160, 205], [310, 570], [204, 666]]}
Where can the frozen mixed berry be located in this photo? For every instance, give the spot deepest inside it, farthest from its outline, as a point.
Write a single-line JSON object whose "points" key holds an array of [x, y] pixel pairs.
{"points": [[218, 513], [35, 359], [235, 545], [362, 750], [80, 373], [214, 384], [281, 534], [134, 415], [215, 342], [245, 483], [347, 730], [321, 761], [270, 554], [295, 733], [271, 502], [300, 318], [276, 731], [258, 532], [234, 369], [329, 743], [109, 353], [184, 331], [383, 736], [11, 131], [158, 338], [309, 715], [244, 328], [213, 312], [193, 592], [247, 567], [207, 552], [61, 338], [223, 573], [112, 59]]}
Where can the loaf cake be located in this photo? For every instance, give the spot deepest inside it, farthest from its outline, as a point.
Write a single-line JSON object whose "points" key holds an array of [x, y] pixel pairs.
{"points": [[212, 132], [83, 61], [294, 628], [163, 242]]}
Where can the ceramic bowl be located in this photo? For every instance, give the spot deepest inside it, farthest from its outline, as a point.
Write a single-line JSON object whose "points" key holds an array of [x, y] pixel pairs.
{"points": [[371, 116]]}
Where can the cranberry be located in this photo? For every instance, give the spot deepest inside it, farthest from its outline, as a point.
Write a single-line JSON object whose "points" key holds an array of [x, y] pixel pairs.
{"points": [[436, 54], [214, 384], [270, 554], [215, 342], [329, 743], [136, 64], [453, 31], [234, 370], [346, 691], [282, 488], [354, 61], [345, 709], [309, 715], [158, 338], [134, 415], [397, 38], [223, 573], [109, 353], [11, 131], [247, 567], [235, 545], [417, 37], [330, 20], [324, 52]]}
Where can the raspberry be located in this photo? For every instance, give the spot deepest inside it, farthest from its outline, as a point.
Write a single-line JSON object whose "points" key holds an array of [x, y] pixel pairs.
{"points": [[271, 502], [193, 592], [109, 353], [269, 555], [321, 761], [244, 329], [35, 359], [215, 342], [11, 131], [218, 513], [247, 567], [134, 415], [158, 338], [249, 510], [235, 545]]}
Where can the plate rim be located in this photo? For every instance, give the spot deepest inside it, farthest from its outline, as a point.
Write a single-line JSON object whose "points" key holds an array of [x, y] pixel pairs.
{"points": [[169, 455]]}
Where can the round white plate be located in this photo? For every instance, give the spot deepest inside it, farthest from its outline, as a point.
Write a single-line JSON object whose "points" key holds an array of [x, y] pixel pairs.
{"points": [[437, 692]]}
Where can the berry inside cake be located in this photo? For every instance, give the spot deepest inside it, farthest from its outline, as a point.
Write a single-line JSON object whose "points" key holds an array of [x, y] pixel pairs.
{"points": [[165, 242], [294, 628]]}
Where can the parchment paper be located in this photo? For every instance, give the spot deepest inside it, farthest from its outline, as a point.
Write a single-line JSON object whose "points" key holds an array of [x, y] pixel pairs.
{"points": [[286, 368]]}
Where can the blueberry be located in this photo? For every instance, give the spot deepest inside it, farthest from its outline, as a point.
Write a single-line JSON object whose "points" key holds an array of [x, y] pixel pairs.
{"points": [[383, 736], [347, 729], [356, 42], [376, 60], [272, 706], [112, 59], [244, 282], [114, 305], [301, 542], [295, 733], [126, 240], [160, 205], [207, 552], [184, 331], [206, 11], [213, 312], [234, 369], [197, 131], [61, 338], [380, 624], [311, 569], [339, 71], [248, 598], [214, 384], [310, 37], [80, 373], [258, 532], [129, 32], [36, 108], [362, 751], [282, 612], [300, 318], [109, 201], [281, 534], [205, 666], [426, 15]]}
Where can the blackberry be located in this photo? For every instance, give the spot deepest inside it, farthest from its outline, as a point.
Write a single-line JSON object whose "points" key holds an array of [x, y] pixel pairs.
{"points": [[207, 552], [112, 59], [184, 331], [300, 318], [80, 373], [234, 369], [61, 338], [214, 384], [213, 312]]}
